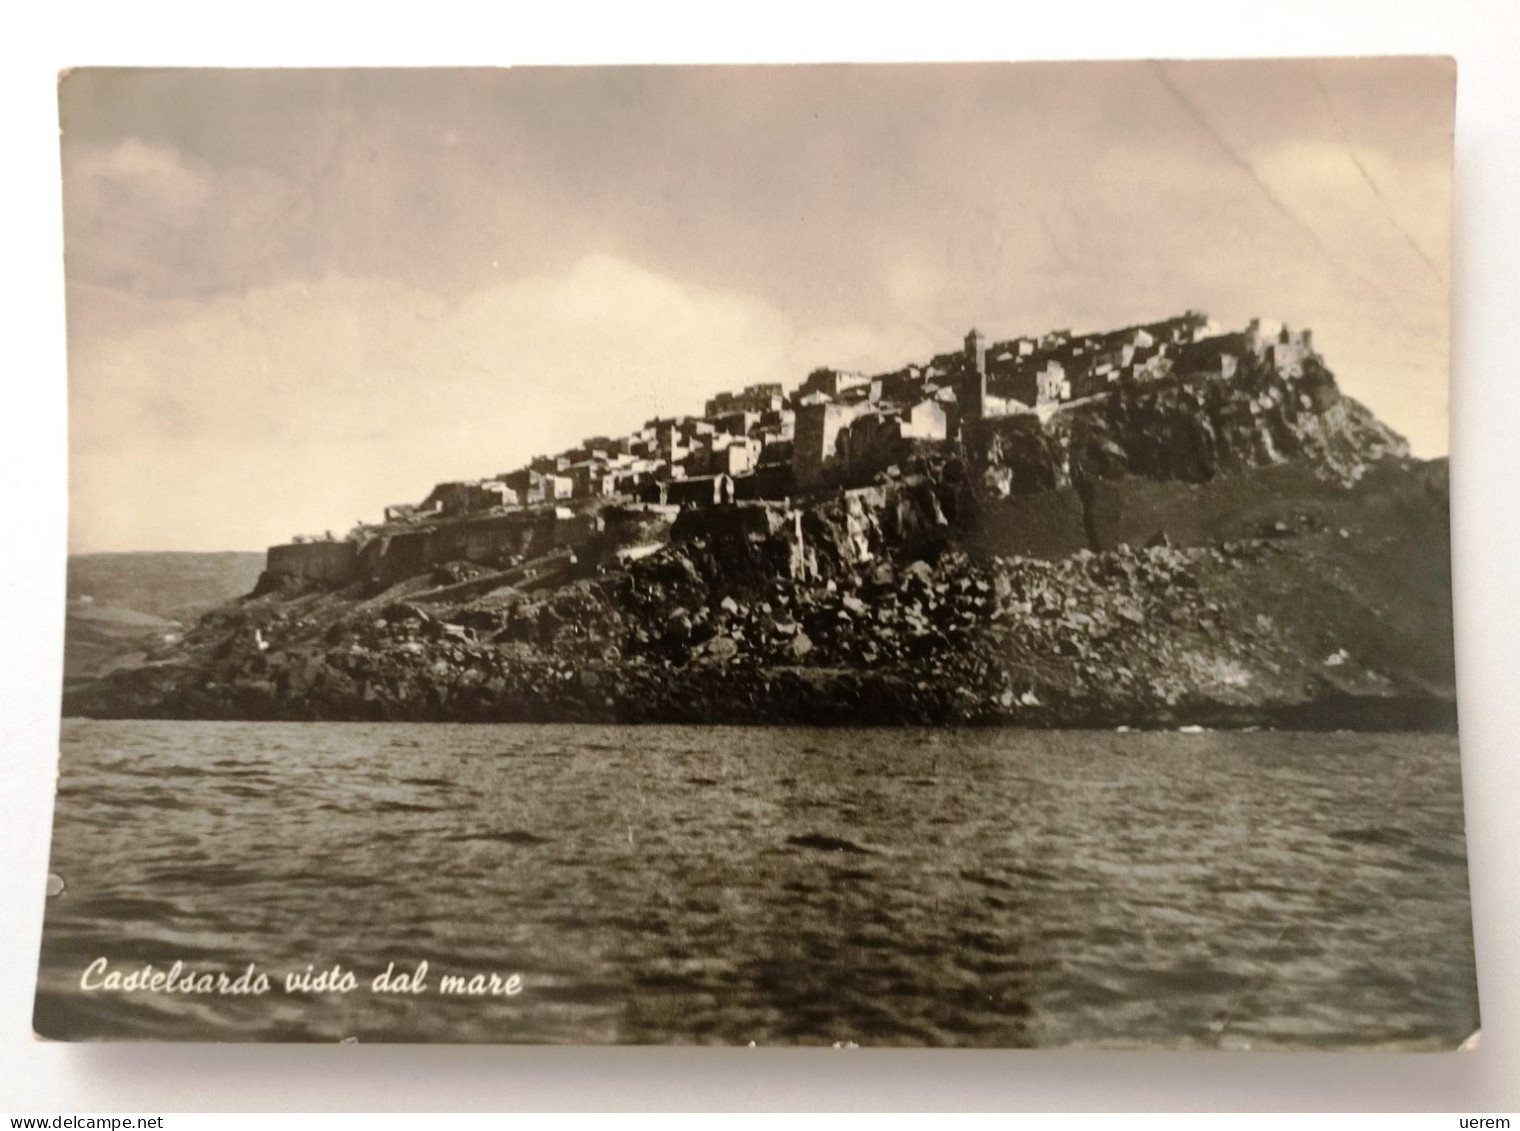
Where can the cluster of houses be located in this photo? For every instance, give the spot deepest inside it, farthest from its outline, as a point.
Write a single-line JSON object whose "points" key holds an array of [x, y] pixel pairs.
{"points": [[1059, 367], [761, 443]]}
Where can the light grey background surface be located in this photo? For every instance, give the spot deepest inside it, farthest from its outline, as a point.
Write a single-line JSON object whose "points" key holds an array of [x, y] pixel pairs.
{"points": [[1484, 36]]}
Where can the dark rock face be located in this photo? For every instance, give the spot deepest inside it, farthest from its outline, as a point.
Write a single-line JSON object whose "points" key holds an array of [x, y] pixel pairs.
{"points": [[1188, 429], [1255, 552]]}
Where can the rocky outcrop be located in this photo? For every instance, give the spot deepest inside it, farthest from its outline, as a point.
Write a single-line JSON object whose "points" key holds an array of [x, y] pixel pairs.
{"points": [[1253, 553], [1187, 429]]}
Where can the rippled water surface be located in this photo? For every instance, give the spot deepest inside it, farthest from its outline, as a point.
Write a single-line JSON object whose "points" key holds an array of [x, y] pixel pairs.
{"points": [[788, 886]]}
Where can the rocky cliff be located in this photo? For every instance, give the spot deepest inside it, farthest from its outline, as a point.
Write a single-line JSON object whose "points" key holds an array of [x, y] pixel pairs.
{"points": [[1254, 551]]}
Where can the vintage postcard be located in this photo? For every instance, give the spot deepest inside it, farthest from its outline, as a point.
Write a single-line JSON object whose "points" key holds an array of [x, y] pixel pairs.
{"points": [[919, 555]]}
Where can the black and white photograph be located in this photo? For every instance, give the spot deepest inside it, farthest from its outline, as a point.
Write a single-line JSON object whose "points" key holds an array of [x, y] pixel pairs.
{"points": [[831, 555]]}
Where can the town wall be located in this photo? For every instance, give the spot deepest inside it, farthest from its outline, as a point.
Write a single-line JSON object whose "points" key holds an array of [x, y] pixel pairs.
{"points": [[395, 556], [335, 562]]}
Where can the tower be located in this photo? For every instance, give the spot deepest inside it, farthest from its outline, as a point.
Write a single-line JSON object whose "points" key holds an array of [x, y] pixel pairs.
{"points": [[976, 351], [974, 398]]}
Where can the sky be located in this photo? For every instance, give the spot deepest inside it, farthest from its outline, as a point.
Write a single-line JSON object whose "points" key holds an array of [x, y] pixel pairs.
{"points": [[295, 297]]}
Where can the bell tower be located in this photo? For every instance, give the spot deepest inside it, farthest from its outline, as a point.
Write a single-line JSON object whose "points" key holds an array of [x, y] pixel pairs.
{"points": [[976, 351], [974, 398]]}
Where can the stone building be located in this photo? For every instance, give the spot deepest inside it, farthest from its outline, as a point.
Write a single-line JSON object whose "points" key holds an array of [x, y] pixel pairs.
{"points": [[1218, 356], [453, 499], [765, 397], [878, 439], [817, 432], [831, 383]]}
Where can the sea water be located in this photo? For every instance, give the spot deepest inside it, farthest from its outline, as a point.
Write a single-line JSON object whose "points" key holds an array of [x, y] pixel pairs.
{"points": [[775, 885]]}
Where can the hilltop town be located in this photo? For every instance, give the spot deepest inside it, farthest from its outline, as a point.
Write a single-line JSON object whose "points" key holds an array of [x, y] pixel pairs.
{"points": [[1164, 524], [837, 429]]}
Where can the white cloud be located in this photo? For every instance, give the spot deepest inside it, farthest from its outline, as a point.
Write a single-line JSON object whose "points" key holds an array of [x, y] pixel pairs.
{"points": [[150, 220], [150, 173]]}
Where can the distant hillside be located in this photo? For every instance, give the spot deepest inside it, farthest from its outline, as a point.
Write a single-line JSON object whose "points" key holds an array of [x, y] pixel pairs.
{"points": [[121, 607], [172, 585]]}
